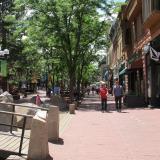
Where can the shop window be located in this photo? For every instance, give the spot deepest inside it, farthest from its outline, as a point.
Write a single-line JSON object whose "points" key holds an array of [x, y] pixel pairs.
{"points": [[128, 36], [156, 4], [148, 6]]}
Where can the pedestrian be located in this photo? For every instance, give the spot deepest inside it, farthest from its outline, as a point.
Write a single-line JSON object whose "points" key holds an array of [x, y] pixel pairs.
{"points": [[88, 90], [38, 100], [24, 89], [1, 90], [93, 90], [103, 95], [118, 93]]}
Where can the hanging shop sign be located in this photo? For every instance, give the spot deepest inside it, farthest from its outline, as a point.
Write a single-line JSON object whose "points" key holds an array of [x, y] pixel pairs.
{"points": [[154, 55], [122, 69], [3, 68]]}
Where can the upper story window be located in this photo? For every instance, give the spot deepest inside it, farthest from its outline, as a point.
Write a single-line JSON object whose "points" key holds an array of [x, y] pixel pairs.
{"points": [[127, 36], [148, 6], [156, 4]]}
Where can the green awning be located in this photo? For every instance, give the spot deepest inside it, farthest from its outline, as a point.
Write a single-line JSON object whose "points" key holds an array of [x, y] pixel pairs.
{"points": [[123, 71], [134, 57], [3, 68]]}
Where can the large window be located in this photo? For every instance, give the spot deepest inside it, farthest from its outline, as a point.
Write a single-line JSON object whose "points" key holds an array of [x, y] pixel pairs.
{"points": [[128, 36], [156, 4], [148, 6]]}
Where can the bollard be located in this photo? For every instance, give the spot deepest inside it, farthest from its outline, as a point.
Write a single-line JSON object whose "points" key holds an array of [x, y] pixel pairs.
{"points": [[53, 123], [72, 108], [76, 104], [38, 145]]}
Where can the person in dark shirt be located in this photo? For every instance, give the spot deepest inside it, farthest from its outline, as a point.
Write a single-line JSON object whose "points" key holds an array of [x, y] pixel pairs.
{"points": [[118, 93]]}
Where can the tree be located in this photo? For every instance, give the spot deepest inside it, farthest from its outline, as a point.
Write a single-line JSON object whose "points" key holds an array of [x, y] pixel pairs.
{"points": [[72, 27]]}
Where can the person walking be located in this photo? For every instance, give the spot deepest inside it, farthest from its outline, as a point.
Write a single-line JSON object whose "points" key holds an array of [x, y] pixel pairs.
{"points": [[103, 95], [38, 100], [118, 93]]}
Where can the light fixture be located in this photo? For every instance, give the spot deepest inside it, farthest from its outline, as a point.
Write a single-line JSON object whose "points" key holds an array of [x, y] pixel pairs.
{"points": [[4, 52], [146, 48]]}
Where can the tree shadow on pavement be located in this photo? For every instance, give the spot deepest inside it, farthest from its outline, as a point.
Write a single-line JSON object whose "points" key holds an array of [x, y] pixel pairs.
{"points": [[141, 108], [124, 112]]}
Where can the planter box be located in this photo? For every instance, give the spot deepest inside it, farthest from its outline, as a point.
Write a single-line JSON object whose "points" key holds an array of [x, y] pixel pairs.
{"points": [[155, 102], [134, 101]]}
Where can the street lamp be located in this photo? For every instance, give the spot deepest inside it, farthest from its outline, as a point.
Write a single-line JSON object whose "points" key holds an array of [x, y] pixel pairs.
{"points": [[146, 48]]}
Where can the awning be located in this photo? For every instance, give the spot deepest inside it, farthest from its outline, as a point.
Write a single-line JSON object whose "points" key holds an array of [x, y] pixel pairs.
{"points": [[134, 57], [106, 75], [123, 71]]}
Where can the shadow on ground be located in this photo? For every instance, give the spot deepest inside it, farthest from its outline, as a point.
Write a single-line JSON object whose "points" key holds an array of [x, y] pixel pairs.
{"points": [[4, 154], [60, 141]]}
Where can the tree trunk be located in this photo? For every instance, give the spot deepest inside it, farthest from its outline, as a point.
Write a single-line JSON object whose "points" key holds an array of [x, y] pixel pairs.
{"points": [[72, 78]]}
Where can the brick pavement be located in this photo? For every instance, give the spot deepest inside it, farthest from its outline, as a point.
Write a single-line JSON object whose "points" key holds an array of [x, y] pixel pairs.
{"points": [[93, 135]]}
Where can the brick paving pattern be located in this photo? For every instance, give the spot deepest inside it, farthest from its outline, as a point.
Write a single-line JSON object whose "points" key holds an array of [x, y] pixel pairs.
{"points": [[132, 134], [90, 134]]}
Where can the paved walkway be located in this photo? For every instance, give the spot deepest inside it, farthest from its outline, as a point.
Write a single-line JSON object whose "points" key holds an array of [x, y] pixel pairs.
{"points": [[90, 134]]}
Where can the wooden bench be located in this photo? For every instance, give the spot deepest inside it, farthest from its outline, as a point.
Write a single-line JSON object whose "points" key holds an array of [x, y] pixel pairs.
{"points": [[11, 125]]}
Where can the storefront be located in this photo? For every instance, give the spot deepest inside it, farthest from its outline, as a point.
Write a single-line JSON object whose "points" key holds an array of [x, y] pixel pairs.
{"points": [[122, 72], [134, 81], [135, 74], [153, 72]]}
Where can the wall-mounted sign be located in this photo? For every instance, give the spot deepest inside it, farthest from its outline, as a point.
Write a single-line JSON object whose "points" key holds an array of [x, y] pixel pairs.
{"points": [[3, 68]]}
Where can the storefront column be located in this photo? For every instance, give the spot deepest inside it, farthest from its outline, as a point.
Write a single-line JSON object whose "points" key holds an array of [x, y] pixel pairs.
{"points": [[126, 84], [145, 77], [138, 83]]}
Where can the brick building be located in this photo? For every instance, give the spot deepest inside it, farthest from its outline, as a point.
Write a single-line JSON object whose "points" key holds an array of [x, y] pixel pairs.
{"points": [[138, 60]]}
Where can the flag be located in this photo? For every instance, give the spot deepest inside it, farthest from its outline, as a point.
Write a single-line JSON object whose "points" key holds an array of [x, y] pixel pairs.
{"points": [[154, 54]]}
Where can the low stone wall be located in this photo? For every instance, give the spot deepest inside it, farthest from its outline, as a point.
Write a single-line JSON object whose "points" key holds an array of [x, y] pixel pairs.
{"points": [[5, 118], [134, 101], [72, 108], [24, 110], [38, 146], [59, 101], [53, 123]]}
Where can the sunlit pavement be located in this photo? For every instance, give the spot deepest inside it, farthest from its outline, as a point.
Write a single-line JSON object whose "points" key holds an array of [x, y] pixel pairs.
{"points": [[91, 134]]}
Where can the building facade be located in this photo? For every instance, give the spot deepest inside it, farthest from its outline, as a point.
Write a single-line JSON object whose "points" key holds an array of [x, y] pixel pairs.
{"points": [[139, 59]]}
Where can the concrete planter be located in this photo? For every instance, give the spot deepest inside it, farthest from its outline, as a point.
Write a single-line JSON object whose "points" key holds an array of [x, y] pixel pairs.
{"points": [[134, 101], [72, 108]]}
